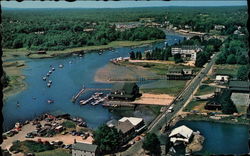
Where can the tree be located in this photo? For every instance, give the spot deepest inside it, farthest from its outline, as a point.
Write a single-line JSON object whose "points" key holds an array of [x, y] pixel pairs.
{"points": [[221, 59], [177, 58], [231, 59], [152, 144], [132, 55], [108, 139], [227, 104], [148, 56], [139, 56], [242, 60], [242, 73], [201, 59]]}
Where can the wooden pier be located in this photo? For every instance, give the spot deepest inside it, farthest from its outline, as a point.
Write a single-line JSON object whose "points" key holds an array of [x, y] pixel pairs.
{"points": [[83, 90]]}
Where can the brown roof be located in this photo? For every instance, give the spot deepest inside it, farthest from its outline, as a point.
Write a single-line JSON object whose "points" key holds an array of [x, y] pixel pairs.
{"points": [[125, 126]]}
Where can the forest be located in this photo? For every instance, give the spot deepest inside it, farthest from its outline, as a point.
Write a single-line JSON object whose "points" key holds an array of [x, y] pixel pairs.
{"points": [[58, 29]]}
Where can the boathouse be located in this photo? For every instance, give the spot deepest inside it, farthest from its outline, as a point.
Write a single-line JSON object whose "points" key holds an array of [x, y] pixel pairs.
{"points": [[124, 91], [83, 149], [181, 134], [179, 74]]}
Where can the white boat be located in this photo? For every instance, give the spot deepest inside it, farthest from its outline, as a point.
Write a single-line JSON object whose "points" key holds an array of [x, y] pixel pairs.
{"points": [[44, 78], [70, 62], [60, 66], [50, 81], [50, 72], [53, 69], [50, 101], [48, 84]]}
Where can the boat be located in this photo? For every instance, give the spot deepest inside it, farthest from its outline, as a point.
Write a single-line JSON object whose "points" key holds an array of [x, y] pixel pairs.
{"points": [[100, 53], [70, 62], [53, 69], [50, 81], [48, 84], [50, 101], [80, 55], [60, 66], [44, 78], [50, 72], [83, 102]]}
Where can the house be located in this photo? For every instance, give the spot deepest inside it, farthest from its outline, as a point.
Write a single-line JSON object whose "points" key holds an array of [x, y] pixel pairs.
{"points": [[219, 27], [212, 105], [129, 127], [239, 86], [124, 91], [59, 129], [179, 74], [221, 78], [181, 134], [188, 53], [83, 149]]}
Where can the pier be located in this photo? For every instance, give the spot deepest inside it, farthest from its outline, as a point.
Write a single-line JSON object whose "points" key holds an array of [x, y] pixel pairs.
{"points": [[83, 90]]}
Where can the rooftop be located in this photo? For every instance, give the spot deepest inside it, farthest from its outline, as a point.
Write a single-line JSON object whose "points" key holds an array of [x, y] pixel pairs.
{"points": [[239, 84], [84, 147], [182, 130], [125, 126], [133, 120]]}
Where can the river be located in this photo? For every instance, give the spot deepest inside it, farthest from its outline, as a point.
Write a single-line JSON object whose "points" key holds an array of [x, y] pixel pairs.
{"points": [[66, 82]]}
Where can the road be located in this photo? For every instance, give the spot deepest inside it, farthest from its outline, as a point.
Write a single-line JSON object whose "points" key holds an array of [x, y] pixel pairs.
{"points": [[178, 104]]}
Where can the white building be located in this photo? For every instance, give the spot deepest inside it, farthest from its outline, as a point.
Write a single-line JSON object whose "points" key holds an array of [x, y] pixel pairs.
{"points": [[222, 78], [181, 134], [83, 149], [188, 53], [219, 27]]}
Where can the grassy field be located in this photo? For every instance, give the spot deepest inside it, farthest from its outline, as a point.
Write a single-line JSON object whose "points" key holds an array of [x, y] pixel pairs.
{"points": [[191, 105], [226, 69], [171, 87], [56, 152], [205, 89], [113, 44]]}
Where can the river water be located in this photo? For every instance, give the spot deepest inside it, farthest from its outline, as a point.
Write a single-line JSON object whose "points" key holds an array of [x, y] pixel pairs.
{"points": [[66, 82]]}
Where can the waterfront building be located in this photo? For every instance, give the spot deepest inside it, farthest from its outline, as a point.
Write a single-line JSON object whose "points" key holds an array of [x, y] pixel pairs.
{"points": [[179, 74], [181, 134], [124, 91], [83, 149], [188, 53], [129, 127]]}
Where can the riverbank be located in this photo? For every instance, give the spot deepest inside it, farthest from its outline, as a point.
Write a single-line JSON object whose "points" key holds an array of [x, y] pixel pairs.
{"points": [[16, 78]]}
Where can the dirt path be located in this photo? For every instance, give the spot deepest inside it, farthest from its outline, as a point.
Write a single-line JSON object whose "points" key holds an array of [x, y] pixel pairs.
{"points": [[155, 99]]}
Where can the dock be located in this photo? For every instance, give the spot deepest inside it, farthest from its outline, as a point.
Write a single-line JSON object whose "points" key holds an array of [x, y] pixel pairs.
{"points": [[83, 90]]}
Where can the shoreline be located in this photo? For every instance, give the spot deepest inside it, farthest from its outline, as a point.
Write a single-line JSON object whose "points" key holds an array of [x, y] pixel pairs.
{"points": [[86, 49], [17, 82]]}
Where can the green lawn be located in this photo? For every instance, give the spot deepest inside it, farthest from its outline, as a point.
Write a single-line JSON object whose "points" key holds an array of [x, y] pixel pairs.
{"points": [[205, 89], [172, 87], [56, 152], [191, 105], [226, 69], [69, 124]]}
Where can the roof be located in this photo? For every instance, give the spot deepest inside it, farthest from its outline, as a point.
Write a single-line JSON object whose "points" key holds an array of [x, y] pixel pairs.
{"points": [[182, 130], [125, 126], [239, 84], [84, 147], [133, 120], [127, 87]]}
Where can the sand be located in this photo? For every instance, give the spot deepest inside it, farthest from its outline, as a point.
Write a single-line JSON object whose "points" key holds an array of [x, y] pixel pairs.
{"points": [[155, 99]]}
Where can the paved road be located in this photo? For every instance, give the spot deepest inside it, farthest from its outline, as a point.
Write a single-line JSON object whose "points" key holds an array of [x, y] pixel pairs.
{"points": [[177, 104]]}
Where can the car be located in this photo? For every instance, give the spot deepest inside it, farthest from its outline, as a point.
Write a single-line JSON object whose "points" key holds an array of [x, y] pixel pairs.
{"points": [[29, 136]]}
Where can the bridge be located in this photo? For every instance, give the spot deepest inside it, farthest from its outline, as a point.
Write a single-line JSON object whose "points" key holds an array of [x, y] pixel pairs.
{"points": [[84, 90]]}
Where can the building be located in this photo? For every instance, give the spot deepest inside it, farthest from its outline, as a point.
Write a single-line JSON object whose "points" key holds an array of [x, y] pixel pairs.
{"points": [[83, 149], [179, 74], [222, 78], [239, 86], [212, 105], [188, 53], [181, 134], [129, 127], [219, 27], [124, 91]]}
